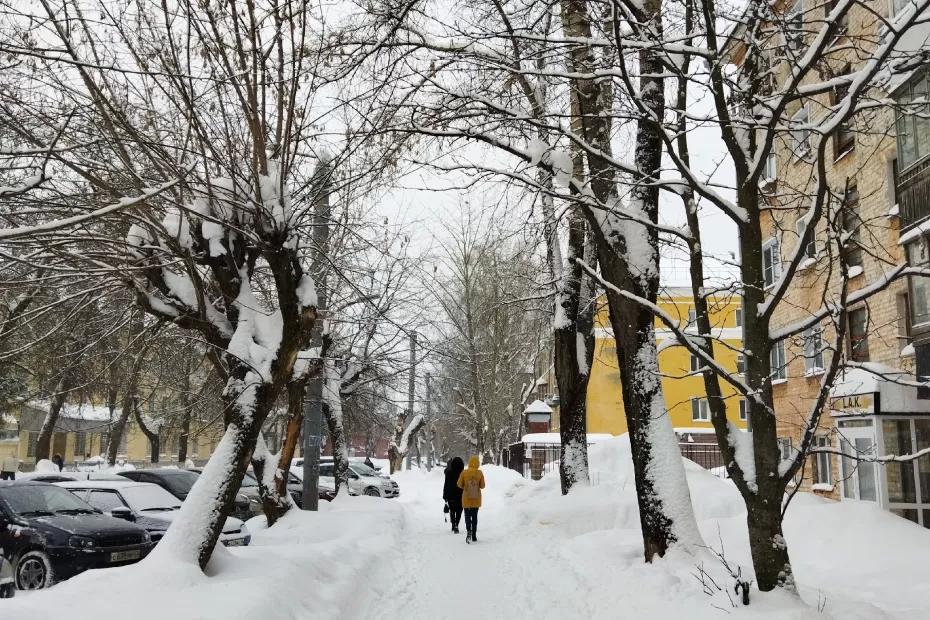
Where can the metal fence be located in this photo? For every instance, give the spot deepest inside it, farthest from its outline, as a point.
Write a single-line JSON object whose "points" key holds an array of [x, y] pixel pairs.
{"points": [[536, 460], [707, 455]]}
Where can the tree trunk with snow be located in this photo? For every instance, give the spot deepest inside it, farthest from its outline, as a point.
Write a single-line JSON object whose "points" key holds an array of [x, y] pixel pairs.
{"points": [[400, 445], [332, 411], [292, 429], [628, 257], [151, 435], [44, 440], [269, 475], [574, 353]]}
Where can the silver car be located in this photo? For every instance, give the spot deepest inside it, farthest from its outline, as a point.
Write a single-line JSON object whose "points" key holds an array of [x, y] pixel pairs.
{"points": [[363, 480], [148, 505]]}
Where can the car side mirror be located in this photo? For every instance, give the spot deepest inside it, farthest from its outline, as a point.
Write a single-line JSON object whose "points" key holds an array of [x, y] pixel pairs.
{"points": [[123, 513]]}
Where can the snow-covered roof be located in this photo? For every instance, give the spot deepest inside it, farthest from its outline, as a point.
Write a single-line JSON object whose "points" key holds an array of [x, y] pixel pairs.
{"points": [[556, 439], [79, 411], [538, 406]]}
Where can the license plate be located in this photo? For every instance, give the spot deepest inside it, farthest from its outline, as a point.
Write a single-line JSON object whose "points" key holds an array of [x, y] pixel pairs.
{"points": [[234, 542], [122, 556]]}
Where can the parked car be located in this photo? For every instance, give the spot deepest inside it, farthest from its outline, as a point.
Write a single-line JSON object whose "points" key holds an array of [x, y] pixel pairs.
{"points": [[7, 585], [325, 490], [249, 488], [67, 476], [51, 535], [179, 482], [363, 480], [148, 505]]}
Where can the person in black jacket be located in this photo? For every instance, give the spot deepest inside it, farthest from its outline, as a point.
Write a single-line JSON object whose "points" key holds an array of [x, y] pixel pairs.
{"points": [[452, 493]]}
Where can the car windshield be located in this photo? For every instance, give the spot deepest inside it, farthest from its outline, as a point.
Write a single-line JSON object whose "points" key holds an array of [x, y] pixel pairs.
{"points": [[39, 499], [149, 497], [180, 481], [362, 469]]}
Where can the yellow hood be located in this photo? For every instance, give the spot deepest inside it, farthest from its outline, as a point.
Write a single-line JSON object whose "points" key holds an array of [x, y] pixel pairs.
{"points": [[473, 462]]}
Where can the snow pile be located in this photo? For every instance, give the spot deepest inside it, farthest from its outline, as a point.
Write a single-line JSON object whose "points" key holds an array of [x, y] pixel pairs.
{"points": [[309, 565], [45, 466]]}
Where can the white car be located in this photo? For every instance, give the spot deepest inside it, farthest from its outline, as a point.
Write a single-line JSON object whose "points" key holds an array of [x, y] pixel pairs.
{"points": [[363, 480], [148, 505]]}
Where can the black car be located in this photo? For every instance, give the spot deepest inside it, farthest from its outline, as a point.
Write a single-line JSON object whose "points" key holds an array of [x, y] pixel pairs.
{"points": [[179, 482], [51, 535]]}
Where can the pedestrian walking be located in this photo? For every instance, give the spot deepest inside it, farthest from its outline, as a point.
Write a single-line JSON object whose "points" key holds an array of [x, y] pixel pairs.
{"points": [[57, 460], [9, 467], [471, 481], [452, 493]]}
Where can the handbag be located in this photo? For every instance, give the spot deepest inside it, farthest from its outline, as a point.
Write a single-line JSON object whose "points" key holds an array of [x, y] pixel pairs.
{"points": [[445, 508]]}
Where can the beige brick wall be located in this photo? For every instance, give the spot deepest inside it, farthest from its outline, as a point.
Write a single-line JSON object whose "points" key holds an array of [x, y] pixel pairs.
{"points": [[868, 167]]}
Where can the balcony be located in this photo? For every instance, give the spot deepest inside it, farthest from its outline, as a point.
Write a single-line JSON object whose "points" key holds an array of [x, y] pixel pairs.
{"points": [[913, 194]]}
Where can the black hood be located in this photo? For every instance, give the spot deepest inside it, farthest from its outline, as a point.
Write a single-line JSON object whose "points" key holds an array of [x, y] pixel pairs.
{"points": [[98, 526]]}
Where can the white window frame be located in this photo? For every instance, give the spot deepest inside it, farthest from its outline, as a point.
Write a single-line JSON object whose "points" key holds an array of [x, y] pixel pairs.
{"points": [[772, 249], [824, 460], [700, 410], [813, 350], [784, 448], [697, 364], [778, 362], [740, 364], [742, 409], [801, 138], [692, 315], [739, 316], [800, 225]]}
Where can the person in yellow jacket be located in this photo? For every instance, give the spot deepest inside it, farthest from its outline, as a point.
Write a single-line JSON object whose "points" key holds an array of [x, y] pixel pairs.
{"points": [[471, 481]]}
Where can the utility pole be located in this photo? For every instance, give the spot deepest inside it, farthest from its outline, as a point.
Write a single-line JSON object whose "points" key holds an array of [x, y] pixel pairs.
{"points": [[429, 425], [313, 397], [411, 384]]}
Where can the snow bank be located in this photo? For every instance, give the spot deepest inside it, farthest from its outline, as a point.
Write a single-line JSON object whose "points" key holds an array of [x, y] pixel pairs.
{"points": [[540, 555], [309, 565]]}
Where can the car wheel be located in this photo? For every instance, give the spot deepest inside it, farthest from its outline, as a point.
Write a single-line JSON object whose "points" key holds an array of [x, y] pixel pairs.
{"points": [[33, 571], [373, 492]]}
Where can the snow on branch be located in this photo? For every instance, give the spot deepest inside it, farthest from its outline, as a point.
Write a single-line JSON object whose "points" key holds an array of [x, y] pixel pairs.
{"points": [[416, 424], [123, 203]]}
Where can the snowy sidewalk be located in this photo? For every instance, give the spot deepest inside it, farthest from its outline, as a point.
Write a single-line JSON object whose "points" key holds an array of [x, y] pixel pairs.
{"points": [[435, 574]]}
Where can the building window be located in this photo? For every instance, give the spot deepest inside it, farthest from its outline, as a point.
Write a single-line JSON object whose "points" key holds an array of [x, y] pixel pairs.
{"points": [[813, 350], [692, 315], [800, 133], [771, 262], [80, 444], [31, 444], [897, 5], [822, 461], [740, 364], [742, 409], [810, 250], [777, 360], [784, 448], [697, 363], [852, 225], [919, 294], [912, 125], [700, 412], [794, 27], [859, 335], [770, 171], [844, 140], [739, 317]]}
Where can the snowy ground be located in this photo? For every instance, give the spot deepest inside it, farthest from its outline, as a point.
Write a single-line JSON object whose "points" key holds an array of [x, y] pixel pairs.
{"points": [[539, 555]]}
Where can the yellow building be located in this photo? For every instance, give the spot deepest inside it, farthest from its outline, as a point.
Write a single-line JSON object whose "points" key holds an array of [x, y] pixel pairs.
{"points": [[81, 432], [682, 383]]}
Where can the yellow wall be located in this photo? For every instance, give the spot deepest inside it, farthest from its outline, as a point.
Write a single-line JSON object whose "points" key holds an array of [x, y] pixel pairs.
{"points": [[605, 406]]}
